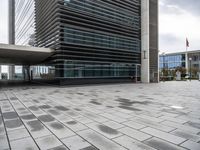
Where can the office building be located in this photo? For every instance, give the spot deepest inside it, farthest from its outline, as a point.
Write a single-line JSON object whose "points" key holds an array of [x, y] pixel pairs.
{"points": [[104, 39], [186, 61]]}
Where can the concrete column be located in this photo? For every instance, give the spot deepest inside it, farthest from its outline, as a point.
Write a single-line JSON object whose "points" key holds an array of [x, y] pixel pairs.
{"points": [[145, 41], [0, 72], [11, 22], [11, 72]]}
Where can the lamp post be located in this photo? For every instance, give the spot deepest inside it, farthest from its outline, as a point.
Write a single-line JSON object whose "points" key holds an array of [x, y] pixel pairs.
{"points": [[190, 59], [164, 66]]}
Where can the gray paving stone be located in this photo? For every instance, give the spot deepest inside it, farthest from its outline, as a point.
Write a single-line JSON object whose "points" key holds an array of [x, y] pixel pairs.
{"points": [[3, 142], [181, 121], [60, 130], [113, 124], [146, 117], [75, 126], [48, 142], [104, 130], [162, 145], [153, 124], [23, 144], [62, 147], [114, 118], [18, 134], [89, 148], [131, 143], [99, 141], [163, 135], [37, 129], [186, 135], [10, 115], [193, 124], [13, 124], [180, 126], [75, 143], [84, 120], [191, 145], [2, 130], [134, 125], [95, 117], [152, 101], [140, 136]]}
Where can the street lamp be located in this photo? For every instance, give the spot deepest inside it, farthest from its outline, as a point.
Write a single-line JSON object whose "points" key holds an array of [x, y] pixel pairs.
{"points": [[164, 65], [190, 59]]}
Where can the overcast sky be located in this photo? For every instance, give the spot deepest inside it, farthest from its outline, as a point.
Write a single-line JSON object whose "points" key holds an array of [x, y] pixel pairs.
{"points": [[178, 19]]}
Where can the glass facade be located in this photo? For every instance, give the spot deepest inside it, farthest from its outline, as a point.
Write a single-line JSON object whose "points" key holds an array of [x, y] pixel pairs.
{"points": [[92, 39], [97, 70], [24, 22], [172, 61]]}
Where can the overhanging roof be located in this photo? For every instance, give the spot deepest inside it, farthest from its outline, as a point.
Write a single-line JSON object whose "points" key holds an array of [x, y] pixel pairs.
{"points": [[23, 55]]}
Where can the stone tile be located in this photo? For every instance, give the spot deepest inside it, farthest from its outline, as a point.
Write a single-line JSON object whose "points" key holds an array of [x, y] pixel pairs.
{"points": [[95, 117], [181, 121], [75, 126], [131, 143], [13, 124], [10, 115], [114, 118], [180, 126], [48, 142], [122, 115], [186, 135], [134, 125], [24, 144], [193, 124], [60, 130], [113, 124], [89, 148], [162, 145], [2, 130], [104, 130], [191, 145], [3, 142], [28, 117], [140, 136], [153, 124], [37, 129], [99, 141], [18, 134], [163, 135], [75, 143], [146, 117], [62, 147], [84, 120]]}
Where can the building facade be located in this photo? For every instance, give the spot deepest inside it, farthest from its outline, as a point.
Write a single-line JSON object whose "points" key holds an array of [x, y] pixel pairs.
{"points": [[188, 61], [24, 22], [93, 39]]}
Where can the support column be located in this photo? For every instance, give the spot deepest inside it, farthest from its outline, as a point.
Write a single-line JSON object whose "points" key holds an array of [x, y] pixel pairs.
{"points": [[11, 72], [11, 22], [0, 72], [145, 41]]}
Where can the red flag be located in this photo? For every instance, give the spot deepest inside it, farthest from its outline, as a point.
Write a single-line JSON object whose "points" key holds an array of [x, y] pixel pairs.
{"points": [[187, 43]]}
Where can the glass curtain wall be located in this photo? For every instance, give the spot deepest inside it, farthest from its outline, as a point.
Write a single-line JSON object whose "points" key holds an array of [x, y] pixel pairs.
{"points": [[24, 22]]}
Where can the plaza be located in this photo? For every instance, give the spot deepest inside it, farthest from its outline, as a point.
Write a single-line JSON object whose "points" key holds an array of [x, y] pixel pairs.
{"points": [[163, 116]]}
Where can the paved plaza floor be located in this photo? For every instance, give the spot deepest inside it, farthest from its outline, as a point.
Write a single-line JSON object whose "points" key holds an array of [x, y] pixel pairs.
{"points": [[164, 116]]}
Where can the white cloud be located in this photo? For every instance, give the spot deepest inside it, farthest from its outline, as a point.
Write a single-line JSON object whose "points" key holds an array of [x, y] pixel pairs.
{"points": [[178, 24]]}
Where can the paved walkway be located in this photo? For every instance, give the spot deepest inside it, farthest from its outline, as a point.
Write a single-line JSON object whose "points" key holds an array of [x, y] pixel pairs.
{"points": [[164, 116]]}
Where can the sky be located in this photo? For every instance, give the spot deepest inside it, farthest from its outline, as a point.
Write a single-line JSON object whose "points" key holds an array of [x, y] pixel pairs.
{"points": [[178, 19]]}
